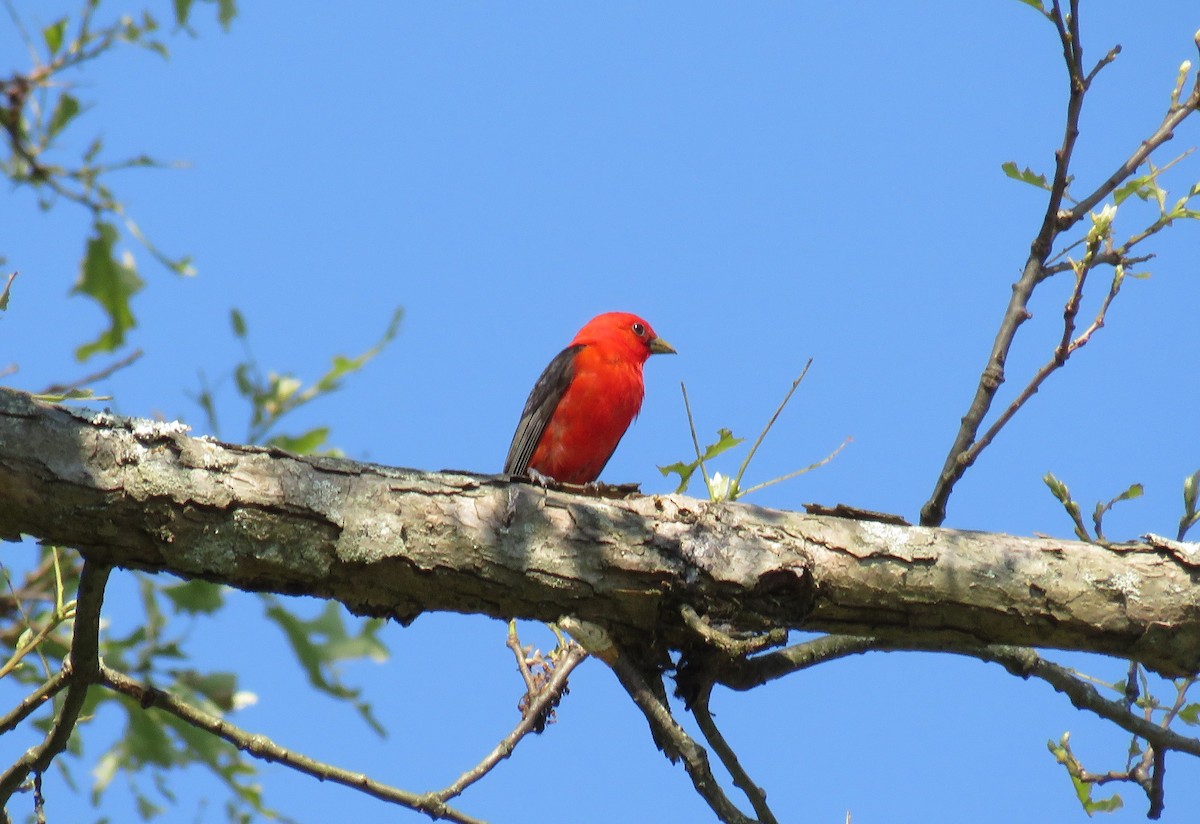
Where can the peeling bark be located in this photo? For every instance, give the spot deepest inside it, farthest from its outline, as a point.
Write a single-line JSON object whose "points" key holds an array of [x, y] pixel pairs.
{"points": [[397, 542]]}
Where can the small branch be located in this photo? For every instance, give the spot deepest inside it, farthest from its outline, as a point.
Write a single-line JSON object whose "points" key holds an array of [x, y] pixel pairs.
{"points": [[1019, 661], [539, 707], [966, 448], [695, 441], [704, 719], [514, 644], [35, 700], [728, 644], [933, 513], [1062, 352], [778, 411], [64, 388], [755, 672], [1155, 790], [83, 665], [1165, 131], [667, 730], [261, 747]]}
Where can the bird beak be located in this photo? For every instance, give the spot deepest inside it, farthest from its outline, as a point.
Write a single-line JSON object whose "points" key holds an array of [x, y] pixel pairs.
{"points": [[658, 346]]}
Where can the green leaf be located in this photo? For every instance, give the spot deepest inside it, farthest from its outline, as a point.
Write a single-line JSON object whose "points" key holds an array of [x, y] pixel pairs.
{"points": [[111, 283], [323, 641], [71, 395], [1063, 494], [1191, 491], [1134, 491], [305, 444], [53, 35], [238, 322], [1027, 175], [146, 742], [685, 474], [1036, 4], [217, 687], [147, 809], [1144, 187], [4, 293], [725, 441], [196, 597], [226, 11], [65, 110], [93, 150], [182, 9], [1103, 805], [1057, 488], [1190, 715]]}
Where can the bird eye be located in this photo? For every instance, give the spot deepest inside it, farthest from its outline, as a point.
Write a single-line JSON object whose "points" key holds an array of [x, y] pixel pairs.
{"points": [[639, 329]]}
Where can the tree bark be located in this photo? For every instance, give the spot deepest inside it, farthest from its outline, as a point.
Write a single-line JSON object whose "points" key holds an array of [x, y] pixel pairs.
{"points": [[397, 542]]}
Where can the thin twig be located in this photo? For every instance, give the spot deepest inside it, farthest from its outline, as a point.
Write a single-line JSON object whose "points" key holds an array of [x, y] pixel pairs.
{"points": [[742, 493], [965, 449], [64, 388], [695, 441], [1019, 661], [755, 793], [84, 664], [52, 623], [514, 644], [778, 411], [34, 700], [261, 747], [549, 695], [1061, 353], [667, 730], [727, 644], [1155, 790]]}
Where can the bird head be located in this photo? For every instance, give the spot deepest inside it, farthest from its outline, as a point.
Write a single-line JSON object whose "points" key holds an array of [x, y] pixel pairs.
{"points": [[625, 332]]}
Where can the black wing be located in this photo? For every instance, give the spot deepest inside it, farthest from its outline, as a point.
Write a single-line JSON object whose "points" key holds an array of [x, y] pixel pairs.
{"points": [[543, 400]]}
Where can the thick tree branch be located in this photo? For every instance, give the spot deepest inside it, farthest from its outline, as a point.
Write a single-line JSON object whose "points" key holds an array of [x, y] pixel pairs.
{"points": [[394, 542]]}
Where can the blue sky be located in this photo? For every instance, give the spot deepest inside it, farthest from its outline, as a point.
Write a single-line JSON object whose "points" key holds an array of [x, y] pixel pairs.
{"points": [[764, 183]]}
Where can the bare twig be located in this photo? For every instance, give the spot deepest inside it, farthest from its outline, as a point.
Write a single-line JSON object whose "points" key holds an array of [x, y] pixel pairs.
{"points": [[1056, 220], [1019, 661], [704, 719], [1155, 790], [671, 738], [64, 388], [539, 706], [727, 644], [778, 411], [263, 748], [696, 441], [667, 729], [514, 644], [1066, 347], [83, 665], [817, 465], [34, 700]]}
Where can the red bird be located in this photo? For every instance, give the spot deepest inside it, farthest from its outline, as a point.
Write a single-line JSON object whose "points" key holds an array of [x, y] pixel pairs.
{"points": [[584, 401]]}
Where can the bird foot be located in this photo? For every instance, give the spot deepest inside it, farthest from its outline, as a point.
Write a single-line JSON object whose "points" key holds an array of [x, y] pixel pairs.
{"points": [[538, 478]]}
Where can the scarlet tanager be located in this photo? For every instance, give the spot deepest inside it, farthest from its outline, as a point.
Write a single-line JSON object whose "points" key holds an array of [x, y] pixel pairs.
{"points": [[584, 401]]}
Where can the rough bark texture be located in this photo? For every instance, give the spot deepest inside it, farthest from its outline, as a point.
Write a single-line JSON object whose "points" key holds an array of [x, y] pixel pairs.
{"points": [[398, 542]]}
